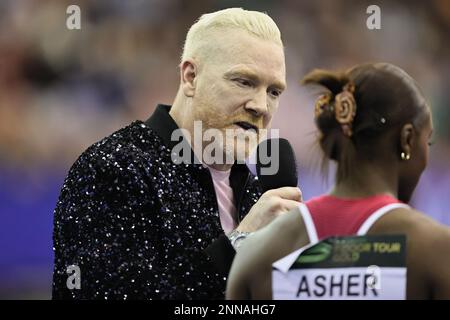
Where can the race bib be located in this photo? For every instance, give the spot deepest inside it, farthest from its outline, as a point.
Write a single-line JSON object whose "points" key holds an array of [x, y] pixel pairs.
{"points": [[356, 267]]}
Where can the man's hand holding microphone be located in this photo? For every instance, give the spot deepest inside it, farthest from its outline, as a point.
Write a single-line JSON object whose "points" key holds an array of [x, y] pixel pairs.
{"points": [[281, 193]]}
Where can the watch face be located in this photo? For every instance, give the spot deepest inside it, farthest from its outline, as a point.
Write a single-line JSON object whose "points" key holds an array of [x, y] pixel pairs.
{"points": [[233, 234], [238, 241], [241, 237], [236, 238]]}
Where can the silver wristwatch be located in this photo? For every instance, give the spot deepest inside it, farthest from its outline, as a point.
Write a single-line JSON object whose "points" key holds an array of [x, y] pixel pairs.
{"points": [[237, 237]]}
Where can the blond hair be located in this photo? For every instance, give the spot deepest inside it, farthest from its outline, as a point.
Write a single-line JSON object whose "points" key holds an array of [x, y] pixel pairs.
{"points": [[255, 23]]}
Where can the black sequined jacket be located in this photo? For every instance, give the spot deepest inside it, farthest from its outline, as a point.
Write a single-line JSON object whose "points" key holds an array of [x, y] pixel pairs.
{"points": [[139, 226]]}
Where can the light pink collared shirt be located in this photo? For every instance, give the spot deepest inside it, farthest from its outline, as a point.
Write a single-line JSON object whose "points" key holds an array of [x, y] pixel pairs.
{"points": [[225, 198]]}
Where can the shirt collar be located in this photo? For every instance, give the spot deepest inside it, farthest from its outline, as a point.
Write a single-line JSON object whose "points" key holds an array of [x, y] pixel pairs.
{"points": [[163, 124]]}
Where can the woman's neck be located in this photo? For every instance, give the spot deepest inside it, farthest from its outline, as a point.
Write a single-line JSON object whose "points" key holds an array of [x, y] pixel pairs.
{"points": [[368, 180]]}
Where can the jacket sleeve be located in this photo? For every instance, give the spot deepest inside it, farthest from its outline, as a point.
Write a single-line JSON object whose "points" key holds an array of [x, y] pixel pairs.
{"points": [[103, 225], [221, 253]]}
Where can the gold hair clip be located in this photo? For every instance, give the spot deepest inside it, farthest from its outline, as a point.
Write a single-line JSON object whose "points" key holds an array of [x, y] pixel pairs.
{"points": [[345, 108], [322, 103]]}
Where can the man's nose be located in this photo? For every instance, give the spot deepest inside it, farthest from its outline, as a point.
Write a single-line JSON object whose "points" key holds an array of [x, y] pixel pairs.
{"points": [[257, 106]]}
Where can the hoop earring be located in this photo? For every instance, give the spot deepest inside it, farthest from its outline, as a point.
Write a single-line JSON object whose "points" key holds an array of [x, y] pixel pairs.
{"points": [[405, 156]]}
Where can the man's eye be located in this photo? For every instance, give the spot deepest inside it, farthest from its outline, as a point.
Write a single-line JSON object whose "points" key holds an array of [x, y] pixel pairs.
{"points": [[244, 82], [275, 93]]}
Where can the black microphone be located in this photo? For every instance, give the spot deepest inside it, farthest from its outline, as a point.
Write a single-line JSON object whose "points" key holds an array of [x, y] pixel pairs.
{"points": [[276, 165]]}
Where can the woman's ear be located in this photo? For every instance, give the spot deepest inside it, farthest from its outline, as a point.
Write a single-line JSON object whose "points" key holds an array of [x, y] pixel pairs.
{"points": [[188, 74], [407, 141]]}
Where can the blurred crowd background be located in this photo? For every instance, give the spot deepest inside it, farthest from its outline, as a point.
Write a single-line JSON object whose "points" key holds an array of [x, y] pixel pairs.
{"points": [[62, 90]]}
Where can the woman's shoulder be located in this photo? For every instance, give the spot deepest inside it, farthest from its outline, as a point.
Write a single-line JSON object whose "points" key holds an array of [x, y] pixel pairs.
{"points": [[422, 231], [404, 219]]}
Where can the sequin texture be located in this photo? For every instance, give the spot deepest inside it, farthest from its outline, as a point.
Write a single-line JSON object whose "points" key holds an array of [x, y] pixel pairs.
{"points": [[136, 224]]}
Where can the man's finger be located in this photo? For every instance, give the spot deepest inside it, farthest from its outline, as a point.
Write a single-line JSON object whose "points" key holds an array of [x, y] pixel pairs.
{"points": [[289, 204], [289, 193]]}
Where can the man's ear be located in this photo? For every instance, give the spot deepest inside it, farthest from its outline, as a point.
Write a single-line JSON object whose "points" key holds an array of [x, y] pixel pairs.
{"points": [[188, 74], [407, 139]]}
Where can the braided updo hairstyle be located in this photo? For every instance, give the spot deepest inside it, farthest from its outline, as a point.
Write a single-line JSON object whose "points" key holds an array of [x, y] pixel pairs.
{"points": [[359, 106]]}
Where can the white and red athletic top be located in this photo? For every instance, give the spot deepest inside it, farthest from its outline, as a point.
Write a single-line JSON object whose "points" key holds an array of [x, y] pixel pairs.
{"points": [[327, 215]]}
